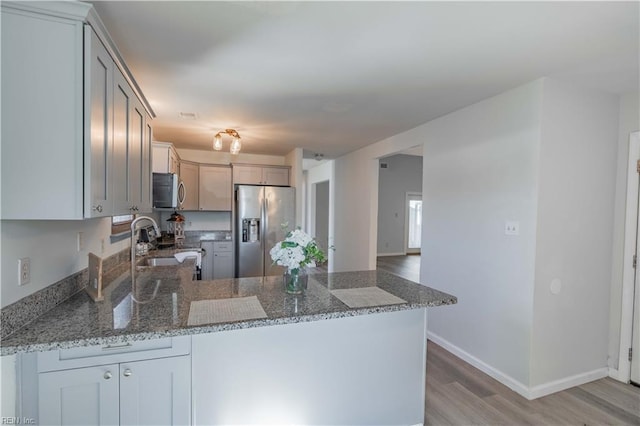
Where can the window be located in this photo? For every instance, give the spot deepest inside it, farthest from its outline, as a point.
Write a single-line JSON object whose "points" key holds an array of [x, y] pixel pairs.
{"points": [[121, 223]]}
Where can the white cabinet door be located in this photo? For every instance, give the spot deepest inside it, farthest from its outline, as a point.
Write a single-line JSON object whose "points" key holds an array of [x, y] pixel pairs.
{"points": [[276, 176], [189, 176], [98, 130], [156, 392], [81, 396], [174, 162], [165, 158], [214, 188]]}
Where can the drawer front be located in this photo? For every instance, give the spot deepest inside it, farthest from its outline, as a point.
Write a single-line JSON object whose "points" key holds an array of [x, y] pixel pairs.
{"points": [[63, 359], [222, 246]]}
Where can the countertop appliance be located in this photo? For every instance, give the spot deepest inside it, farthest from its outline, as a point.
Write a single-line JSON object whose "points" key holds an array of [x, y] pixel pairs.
{"points": [[260, 213], [167, 191]]}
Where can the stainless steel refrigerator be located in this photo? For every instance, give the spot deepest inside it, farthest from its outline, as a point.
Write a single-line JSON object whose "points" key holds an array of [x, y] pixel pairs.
{"points": [[260, 212]]}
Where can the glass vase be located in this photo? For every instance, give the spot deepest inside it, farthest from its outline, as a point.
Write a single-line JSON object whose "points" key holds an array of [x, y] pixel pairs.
{"points": [[295, 282]]}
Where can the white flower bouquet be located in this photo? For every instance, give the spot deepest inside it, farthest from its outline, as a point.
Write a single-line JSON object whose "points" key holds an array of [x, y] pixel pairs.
{"points": [[298, 250]]}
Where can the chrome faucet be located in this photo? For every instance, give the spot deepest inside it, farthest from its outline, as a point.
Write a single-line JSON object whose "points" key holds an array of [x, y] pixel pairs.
{"points": [[133, 237], [134, 286]]}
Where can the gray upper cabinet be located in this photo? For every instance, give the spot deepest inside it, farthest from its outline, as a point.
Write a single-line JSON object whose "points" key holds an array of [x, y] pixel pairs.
{"points": [[98, 123], [250, 174], [60, 104], [165, 158], [214, 188]]}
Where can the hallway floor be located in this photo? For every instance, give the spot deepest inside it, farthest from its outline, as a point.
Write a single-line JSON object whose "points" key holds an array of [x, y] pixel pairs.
{"points": [[405, 266]]}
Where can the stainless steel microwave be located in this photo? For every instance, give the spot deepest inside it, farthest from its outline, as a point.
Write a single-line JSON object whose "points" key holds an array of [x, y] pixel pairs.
{"points": [[167, 191]]}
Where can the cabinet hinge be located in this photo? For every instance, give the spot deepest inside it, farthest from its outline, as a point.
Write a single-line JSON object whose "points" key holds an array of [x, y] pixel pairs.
{"points": [[638, 166], [635, 260], [630, 354]]}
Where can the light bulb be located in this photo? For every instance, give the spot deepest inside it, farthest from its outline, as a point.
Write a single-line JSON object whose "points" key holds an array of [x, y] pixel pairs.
{"points": [[217, 142], [235, 146]]}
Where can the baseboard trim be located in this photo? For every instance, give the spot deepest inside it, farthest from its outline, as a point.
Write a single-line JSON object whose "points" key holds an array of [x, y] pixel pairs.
{"points": [[505, 379], [616, 375], [390, 254], [513, 384], [568, 382]]}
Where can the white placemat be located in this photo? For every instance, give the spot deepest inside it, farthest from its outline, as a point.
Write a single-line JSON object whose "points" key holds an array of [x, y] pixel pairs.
{"points": [[366, 297], [225, 310]]}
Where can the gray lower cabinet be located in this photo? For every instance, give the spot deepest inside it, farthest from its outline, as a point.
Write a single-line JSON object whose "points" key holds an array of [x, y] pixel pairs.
{"points": [[218, 261], [129, 390], [222, 265]]}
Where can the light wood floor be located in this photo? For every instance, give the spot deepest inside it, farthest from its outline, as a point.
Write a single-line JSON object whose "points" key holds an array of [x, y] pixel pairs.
{"points": [[459, 394], [405, 266]]}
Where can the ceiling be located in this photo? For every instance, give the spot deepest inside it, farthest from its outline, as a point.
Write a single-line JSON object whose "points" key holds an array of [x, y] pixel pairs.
{"points": [[332, 77]]}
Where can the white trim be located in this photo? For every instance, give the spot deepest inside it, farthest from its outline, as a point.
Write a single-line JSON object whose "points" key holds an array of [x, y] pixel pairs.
{"points": [[567, 382], [503, 378], [518, 387], [615, 374], [391, 254], [628, 273]]}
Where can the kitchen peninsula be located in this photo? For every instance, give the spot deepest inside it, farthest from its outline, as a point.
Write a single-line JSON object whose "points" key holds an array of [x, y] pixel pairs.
{"points": [[274, 358]]}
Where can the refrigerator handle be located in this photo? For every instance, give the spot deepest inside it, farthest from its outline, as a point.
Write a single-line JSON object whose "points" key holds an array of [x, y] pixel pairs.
{"points": [[263, 239]]}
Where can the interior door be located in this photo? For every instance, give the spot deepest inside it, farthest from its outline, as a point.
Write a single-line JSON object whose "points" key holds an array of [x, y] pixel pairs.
{"points": [[413, 223], [635, 323]]}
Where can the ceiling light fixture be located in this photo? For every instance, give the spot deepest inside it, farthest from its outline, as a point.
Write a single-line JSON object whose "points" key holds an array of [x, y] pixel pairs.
{"points": [[235, 144]]}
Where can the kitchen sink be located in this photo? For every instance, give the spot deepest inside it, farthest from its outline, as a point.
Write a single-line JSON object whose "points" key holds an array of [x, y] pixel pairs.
{"points": [[161, 261]]}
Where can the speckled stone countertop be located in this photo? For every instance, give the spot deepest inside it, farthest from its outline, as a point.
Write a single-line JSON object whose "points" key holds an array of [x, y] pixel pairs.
{"points": [[158, 306]]}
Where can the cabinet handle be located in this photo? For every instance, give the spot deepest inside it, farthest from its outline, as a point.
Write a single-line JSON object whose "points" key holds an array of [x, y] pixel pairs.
{"points": [[98, 208], [127, 373], [107, 375]]}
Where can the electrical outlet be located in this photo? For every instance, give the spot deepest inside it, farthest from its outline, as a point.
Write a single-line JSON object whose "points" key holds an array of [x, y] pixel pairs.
{"points": [[512, 228], [24, 271], [80, 241]]}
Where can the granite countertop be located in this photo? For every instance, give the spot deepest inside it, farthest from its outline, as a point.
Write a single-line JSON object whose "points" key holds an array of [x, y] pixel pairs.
{"points": [[159, 304]]}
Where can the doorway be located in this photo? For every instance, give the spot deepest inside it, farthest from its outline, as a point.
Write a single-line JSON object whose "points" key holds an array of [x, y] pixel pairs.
{"points": [[413, 223], [399, 219], [322, 215]]}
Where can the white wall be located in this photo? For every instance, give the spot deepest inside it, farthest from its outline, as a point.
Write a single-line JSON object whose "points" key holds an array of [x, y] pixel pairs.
{"points": [[294, 160], [482, 167], [576, 187], [356, 201], [322, 173], [480, 170], [629, 122], [404, 174], [52, 247]]}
